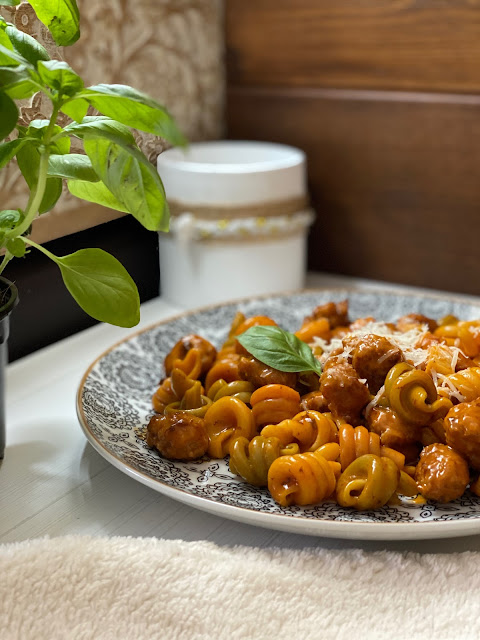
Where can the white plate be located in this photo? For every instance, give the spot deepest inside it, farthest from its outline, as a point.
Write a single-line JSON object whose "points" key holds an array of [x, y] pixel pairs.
{"points": [[114, 398]]}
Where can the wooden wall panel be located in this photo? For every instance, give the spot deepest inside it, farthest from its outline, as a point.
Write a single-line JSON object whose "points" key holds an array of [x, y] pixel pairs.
{"points": [[431, 45], [394, 178]]}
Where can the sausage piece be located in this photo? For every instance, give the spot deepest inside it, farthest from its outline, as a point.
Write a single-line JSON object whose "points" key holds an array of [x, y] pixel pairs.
{"points": [[314, 401], [178, 436], [373, 357], [462, 431], [335, 313], [414, 320], [345, 394], [393, 431], [441, 473], [259, 374]]}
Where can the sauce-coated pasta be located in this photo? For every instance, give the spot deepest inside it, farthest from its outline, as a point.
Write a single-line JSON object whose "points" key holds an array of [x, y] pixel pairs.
{"points": [[394, 415]]}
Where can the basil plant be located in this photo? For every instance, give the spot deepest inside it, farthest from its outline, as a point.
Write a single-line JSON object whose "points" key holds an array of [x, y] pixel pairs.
{"points": [[112, 171]]}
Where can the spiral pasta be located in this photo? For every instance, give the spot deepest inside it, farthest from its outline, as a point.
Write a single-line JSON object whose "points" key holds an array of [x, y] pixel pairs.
{"points": [[309, 429], [229, 345], [310, 438], [368, 483], [314, 329], [225, 368], [462, 334], [411, 393], [440, 359], [172, 390], [358, 441], [305, 478], [252, 459], [191, 364], [273, 403], [226, 419], [240, 389], [192, 401], [466, 382]]}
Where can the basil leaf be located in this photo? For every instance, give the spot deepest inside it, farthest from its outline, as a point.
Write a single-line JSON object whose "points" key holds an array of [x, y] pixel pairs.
{"points": [[132, 179], [279, 349], [6, 50], [16, 247], [9, 218], [8, 150], [61, 17], [76, 109], [101, 286], [9, 57], [26, 46], [100, 126], [9, 115], [36, 129], [134, 109], [29, 161], [72, 165], [95, 192], [16, 82], [9, 3], [60, 77]]}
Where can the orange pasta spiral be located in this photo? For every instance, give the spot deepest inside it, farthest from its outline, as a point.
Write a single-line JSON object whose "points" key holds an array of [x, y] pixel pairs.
{"points": [[193, 364], [467, 382], [462, 334], [314, 329], [309, 429], [225, 368], [273, 403], [358, 441], [229, 344], [368, 483], [305, 478], [226, 419]]}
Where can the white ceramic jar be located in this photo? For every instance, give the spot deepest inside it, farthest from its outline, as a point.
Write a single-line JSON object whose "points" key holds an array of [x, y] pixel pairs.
{"points": [[239, 221]]}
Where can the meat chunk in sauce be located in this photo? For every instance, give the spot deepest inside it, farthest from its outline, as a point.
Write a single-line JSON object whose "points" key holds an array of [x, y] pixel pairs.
{"points": [[462, 431], [373, 357], [344, 392], [441, 474], [259, 374], [178, 436], [336, 313], [414, 321], [393, 431], [314, 401]]}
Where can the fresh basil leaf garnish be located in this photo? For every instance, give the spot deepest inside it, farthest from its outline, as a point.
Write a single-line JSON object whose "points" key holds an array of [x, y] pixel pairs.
{"points": [[279, 349]]}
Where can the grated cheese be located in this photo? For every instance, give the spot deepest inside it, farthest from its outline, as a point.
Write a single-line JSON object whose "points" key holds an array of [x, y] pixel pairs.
{"points": [[374, 401], [405, 341], [448, 386]]}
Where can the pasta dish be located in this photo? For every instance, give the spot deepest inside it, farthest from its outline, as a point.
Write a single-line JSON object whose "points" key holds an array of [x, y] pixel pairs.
{"points": [[362, 412]]}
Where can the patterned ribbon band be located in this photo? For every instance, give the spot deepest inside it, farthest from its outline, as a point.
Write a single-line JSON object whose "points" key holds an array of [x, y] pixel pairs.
{"points": [[276, 208]]}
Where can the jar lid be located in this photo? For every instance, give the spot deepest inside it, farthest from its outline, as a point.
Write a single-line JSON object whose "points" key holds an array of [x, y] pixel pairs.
{"points": [[232, 173]]}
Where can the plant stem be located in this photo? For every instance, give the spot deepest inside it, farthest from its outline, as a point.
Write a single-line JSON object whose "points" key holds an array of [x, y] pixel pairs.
{"points": [[6, 259], [36, 195], [39, 247]]}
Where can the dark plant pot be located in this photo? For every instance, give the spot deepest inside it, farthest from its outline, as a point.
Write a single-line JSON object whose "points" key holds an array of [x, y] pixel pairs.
{"points": [[8, 301]]}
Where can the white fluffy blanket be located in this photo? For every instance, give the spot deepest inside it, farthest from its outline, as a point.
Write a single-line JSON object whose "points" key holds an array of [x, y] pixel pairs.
{"points": [[125, 588]]}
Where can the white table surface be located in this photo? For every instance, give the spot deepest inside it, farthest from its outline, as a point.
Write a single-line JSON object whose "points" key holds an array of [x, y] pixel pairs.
{"points": [[53, 483]]}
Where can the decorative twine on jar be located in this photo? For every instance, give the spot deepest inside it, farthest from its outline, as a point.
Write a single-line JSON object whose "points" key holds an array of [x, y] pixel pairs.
{"points": [[246, 222]]}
